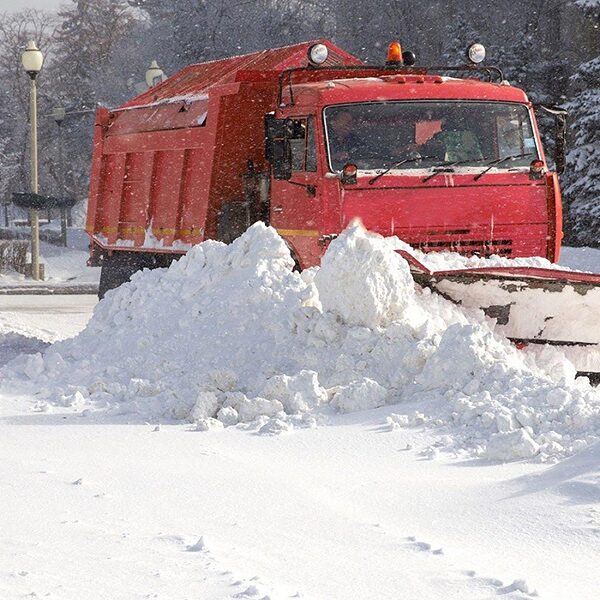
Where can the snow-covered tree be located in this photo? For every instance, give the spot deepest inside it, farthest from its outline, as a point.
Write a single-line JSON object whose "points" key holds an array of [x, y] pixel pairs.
{"points": [[81, 75], [86, 39], [583, 160], [190, 31], [15, 30], [459, 34], [9, 166]]}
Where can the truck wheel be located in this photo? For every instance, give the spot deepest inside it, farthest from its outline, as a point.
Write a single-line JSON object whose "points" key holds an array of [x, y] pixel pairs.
{"points": [[234, 218], [117, 268]]}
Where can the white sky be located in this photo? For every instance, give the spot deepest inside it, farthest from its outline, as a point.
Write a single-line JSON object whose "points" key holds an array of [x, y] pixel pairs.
{"points": [[15, 5]]}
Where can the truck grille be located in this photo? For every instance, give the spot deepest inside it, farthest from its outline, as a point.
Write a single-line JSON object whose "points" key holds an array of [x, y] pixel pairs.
{"points": [[468, 247]]}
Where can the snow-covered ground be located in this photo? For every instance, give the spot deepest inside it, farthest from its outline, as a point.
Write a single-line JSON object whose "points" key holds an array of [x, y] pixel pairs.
{"points": [[344, 511], [30, 323], [61, 265], [581, 259], [117, 482]]}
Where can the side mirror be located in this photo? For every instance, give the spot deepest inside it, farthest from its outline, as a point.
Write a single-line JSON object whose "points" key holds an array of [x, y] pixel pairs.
{"points": [[560, 135], [278, 150], [561, 143]]}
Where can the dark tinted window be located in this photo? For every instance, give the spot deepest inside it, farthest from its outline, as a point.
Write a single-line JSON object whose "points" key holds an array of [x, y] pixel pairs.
{"points": [[377, 135], [302, 143]]}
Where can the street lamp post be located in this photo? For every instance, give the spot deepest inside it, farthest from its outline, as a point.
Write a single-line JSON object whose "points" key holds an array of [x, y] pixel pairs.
{"points": [[154, 75], [32, 60], [58, 114]]}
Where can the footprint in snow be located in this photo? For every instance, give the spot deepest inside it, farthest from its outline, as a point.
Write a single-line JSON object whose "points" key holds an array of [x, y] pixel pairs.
{"points": [[176, 540], [199, 546], [424, 546], [414, 544], [519, 585], [517, 589], [251, 591]]}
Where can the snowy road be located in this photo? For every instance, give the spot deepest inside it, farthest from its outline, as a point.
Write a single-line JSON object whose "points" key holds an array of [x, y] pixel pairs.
{"points": [[29, 323], [48, 317]]}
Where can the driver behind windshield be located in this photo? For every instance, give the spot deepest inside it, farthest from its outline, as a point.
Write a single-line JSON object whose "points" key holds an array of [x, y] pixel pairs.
{"points": [[454, 143], [365, 141], [345, 144], [379, 136]]}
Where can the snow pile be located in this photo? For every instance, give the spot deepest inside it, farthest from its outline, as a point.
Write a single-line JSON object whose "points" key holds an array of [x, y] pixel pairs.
{"points": [[364, 283], [231, 336]]}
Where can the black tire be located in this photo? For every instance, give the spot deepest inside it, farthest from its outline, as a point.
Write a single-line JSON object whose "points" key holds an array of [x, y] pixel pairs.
{"points": [[234, 218], [118, 267]]}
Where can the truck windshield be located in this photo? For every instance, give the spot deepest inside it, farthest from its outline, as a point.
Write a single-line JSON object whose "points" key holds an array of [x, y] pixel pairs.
{"points": [[376, 135]]}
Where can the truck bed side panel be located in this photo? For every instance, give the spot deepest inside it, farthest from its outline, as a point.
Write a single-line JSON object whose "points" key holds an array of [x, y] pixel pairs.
{"points": [[166, 189], [153, 187], [108, 207], [97, 176], [136, 193], [191, 217]]}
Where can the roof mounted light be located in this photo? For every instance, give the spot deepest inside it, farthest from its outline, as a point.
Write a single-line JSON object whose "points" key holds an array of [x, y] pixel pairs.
{"points": [[409, 58], [394, 55], [318, 54], [476, 53]]}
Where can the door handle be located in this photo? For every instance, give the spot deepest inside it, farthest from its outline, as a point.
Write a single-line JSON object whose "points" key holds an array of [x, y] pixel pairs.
{"points": [[277, 209]]}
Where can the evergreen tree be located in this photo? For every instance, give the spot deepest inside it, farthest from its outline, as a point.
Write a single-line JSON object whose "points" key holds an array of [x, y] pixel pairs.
{"points": [[459, 34], [180, 31], [583, 161], [192, 31], [85, 43]]}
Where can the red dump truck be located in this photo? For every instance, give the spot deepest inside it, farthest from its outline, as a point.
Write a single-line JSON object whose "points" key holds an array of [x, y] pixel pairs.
{"points": [[308, 137]]}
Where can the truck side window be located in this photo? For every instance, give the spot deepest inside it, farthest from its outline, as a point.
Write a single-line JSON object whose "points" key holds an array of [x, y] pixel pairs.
{"points": [[298, 144], [302, 142], [515, 135]]}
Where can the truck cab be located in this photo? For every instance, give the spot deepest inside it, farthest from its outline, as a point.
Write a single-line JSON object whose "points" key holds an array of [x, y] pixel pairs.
{"points": [[441, 162]]}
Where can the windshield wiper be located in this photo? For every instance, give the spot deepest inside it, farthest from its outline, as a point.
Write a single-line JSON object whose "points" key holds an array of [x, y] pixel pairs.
{"points": [[444, 167], [398, 164], [499, 161]]}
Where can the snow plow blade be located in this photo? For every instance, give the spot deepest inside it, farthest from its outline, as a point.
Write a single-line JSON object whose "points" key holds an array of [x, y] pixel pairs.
{"points": [[530, 305]]}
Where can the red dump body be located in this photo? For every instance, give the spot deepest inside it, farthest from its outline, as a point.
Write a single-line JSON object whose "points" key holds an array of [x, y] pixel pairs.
{"points": [[166, 163]]}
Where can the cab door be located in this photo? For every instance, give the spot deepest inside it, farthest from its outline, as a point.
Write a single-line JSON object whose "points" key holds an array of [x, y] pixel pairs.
{"points": [[295, 206]]}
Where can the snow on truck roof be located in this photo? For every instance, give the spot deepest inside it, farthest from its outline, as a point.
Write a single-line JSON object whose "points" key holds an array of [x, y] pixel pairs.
{"points": [[199, 78], [194, 82], [407, 87]]}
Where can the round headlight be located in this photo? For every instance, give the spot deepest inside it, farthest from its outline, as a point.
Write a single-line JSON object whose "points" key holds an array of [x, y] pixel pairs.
{"points": [[476, 53], [318, 54]]}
